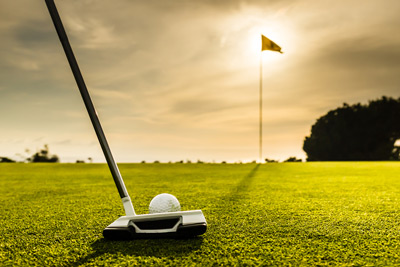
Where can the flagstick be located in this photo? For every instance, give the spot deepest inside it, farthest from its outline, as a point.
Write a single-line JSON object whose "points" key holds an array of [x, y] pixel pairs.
{"points": [[266, 44], [260, 107]]}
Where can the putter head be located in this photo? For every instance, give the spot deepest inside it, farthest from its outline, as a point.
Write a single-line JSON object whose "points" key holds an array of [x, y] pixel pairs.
{"points": [[180, 224]]}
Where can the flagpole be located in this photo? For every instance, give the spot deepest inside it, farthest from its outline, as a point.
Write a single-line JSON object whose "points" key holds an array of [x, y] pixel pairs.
{"points": [[266, 44], [260, 109]]}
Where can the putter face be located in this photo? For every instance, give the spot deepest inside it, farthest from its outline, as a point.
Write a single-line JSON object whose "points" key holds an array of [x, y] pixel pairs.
{"points": [[181, 224]]}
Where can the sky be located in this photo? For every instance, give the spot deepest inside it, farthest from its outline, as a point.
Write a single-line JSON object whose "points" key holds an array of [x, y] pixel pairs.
{"points": [[179, 80]]}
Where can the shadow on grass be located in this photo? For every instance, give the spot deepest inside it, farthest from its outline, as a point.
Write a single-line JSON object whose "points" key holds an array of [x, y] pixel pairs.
{"points": [[141, 247], [242, 188]]}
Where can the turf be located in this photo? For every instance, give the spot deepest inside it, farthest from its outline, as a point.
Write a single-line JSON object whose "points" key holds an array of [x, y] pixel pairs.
{"points": [[273, 214]]}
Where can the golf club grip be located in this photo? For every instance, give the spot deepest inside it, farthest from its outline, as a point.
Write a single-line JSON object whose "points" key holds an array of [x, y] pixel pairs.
{"points": [[86, 98]]}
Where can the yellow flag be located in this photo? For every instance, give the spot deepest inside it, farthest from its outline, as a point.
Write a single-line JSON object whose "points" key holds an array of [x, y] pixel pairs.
{"points": [[267, 44]]}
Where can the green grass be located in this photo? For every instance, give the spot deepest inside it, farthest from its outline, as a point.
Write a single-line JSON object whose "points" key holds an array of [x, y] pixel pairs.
{"points": [[274, 214]]}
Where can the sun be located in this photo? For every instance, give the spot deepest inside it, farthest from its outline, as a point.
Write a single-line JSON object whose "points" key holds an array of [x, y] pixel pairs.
{"points": [[251, 45], [243, 37]]}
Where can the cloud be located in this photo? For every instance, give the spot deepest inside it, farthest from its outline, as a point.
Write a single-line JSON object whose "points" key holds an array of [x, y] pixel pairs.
{"points": [[199, 106], [64, 142], [32, 33], [369, 53]]}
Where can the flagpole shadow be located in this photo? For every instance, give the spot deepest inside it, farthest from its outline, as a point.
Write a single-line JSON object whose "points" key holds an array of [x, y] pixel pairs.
{"points": [[241, 189]]}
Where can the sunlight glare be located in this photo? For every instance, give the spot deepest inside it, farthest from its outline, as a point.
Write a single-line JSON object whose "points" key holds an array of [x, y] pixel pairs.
{"points": [[253, 43], [245, 37]]}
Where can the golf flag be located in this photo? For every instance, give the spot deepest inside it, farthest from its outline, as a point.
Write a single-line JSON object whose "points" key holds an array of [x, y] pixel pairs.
{"points": [[267, 44]]}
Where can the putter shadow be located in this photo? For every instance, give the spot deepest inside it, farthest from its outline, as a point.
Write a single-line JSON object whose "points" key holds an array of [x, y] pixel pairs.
{"points": [[142, 247]]}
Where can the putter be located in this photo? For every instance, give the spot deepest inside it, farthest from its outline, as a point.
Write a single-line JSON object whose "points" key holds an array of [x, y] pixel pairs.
{"points": [[180, 224]]}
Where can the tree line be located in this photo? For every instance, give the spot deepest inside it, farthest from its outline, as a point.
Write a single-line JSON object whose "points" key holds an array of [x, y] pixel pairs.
{"points": [[348, 133]]}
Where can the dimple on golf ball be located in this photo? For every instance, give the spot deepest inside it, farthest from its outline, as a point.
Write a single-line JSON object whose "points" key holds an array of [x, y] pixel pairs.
{"points": [[164, 203]]}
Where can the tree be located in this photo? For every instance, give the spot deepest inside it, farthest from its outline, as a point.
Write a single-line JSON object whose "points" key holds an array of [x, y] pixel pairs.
{"points": [[43, 155], [357, 132]]}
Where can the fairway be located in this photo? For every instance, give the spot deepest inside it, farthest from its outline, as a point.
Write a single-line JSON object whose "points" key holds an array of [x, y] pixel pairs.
{"points": [[272, 214]]}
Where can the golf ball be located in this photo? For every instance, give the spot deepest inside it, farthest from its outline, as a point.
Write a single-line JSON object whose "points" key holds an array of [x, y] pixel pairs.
{"points": [[164, 203]]}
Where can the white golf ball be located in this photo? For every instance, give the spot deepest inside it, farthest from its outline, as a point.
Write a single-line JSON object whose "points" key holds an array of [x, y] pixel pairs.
{"points": [[164, 203]]}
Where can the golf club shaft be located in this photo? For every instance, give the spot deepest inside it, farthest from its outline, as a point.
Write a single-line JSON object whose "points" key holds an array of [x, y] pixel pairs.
{"points": [[86, 99]]}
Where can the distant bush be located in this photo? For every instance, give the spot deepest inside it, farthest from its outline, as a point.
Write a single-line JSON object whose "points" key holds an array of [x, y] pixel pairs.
{"points": [[293, 159], [6, 160], [43, 155]]}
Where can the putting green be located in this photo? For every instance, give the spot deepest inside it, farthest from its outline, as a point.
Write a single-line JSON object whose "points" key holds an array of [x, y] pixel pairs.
{"points": [[271, 214]]}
